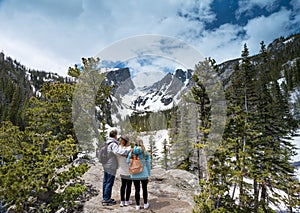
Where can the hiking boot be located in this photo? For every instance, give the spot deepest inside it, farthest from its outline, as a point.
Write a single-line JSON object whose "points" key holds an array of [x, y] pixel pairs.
{"points": [[146, 205], [111, 199], [109, 202]]}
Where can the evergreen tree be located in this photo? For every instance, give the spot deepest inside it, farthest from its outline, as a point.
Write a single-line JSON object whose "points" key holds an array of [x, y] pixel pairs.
{"points": [[174, 126], [91, 104], [253, 157], [207, 98], [40, 155], [202, 100], [153, 150], [181, 151], [166, 155], [157, 121], [52, 111]]}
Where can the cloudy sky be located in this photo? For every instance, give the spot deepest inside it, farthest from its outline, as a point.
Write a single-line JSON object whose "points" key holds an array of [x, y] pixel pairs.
{"points": [[52, 35]]}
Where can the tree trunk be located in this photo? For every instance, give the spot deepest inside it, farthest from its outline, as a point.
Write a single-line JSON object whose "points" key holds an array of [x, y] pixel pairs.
{"points": [[263, 193], [200, 173], [256, 191]]}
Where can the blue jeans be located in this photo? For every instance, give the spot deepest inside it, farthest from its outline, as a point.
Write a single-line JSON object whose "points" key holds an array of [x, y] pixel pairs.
{"points": [[108, 182]]}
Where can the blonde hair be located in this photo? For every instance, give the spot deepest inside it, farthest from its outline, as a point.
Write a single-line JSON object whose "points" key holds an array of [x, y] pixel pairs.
{"points": [[140, 143]]}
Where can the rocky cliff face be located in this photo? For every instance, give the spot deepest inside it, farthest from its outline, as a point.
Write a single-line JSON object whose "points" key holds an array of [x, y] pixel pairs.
{"points": [[164, 93], [121, 79], [169, 191]]}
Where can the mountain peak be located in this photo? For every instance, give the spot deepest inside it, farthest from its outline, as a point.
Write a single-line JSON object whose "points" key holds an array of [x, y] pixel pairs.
{"points": [[161, 95]]}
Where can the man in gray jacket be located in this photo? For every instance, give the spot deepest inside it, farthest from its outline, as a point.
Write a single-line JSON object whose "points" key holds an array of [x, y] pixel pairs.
{"points": [[110, 168]]}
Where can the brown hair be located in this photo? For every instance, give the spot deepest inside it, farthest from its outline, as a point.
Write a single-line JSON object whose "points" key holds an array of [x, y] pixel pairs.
{"points": [[124, 141], [113, 133]]}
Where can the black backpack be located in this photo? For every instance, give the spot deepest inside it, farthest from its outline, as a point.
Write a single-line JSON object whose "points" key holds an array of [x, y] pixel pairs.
{"points": [[102, 153]]}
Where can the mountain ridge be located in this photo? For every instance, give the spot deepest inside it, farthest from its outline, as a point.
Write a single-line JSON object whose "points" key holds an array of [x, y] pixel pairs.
{"points": [[284, 66], [161, 95]]}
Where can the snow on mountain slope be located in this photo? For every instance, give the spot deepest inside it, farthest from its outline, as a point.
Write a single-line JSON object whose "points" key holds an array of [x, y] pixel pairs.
{"points": [[162, 95], [158, 137], [296, 158], [296, 142]]}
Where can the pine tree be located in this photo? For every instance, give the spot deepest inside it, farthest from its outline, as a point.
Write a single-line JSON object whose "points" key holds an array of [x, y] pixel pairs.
{"points": [[15, 91], [41, 155], [283, 126], [181, 151], [52, 111], [91, 104], [153, 150], [174, 128], [253, 157], [157, 121], [207, 98], [166, 155], [202, 100], [173, 124], [274, 123]]}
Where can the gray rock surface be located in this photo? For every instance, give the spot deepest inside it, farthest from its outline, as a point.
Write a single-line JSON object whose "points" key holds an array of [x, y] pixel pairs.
{"points": [[169, 191]]}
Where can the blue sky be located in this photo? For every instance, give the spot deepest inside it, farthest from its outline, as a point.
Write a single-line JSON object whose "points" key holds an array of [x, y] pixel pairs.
{"points": [[52, 35]]}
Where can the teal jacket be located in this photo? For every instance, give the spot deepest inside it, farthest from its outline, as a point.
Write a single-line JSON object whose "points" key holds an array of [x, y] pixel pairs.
{"points": [[145, 160]]}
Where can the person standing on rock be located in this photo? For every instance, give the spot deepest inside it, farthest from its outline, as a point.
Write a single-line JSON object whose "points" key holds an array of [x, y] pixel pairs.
{"points": [[123, 169], [110, 168], [141, 178]]}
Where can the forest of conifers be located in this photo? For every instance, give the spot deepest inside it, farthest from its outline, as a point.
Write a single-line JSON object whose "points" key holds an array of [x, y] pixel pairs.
{"points": [[246, 170]]}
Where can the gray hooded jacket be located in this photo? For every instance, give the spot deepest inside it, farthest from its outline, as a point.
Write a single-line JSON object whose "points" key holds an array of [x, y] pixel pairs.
{"points": [[112, 163]]}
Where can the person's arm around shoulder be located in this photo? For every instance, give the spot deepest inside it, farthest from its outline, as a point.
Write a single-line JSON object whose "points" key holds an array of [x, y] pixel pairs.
{"points": [[122, 151], [128, 157], [114, 146]]}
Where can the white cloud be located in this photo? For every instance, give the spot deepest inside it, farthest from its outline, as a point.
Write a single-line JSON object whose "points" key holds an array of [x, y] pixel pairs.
{"points": [[148, 70], [222, 43], [37, 35], [247, 5], [226, 42], [267, 29], [52, 35], [296, 4], [70, 30], [152, 45]]}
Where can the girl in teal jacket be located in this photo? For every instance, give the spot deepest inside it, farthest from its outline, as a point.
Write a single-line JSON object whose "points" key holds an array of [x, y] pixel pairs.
{"points": [[141, 178]]}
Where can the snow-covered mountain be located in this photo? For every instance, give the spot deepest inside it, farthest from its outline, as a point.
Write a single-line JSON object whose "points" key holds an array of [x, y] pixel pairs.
{"points": [[162, 95]]}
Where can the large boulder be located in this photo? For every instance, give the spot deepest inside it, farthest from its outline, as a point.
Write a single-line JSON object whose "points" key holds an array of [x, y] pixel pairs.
{"points": [[169, 191]]}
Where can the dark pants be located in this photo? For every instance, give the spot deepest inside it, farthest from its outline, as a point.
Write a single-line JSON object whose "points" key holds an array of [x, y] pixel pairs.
{"points": [[137, 187], [125, 187], [108, 182]]}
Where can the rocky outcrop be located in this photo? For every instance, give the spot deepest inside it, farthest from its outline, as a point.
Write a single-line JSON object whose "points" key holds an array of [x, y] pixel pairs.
{"points": [[165, 92], [170, 191], [183, 75], [121, 79]]}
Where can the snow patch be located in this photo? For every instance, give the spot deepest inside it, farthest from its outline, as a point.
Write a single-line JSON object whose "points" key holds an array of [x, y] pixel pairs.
{"points": [[289, 40], [158, 137], [294, 96], [296, 142]]}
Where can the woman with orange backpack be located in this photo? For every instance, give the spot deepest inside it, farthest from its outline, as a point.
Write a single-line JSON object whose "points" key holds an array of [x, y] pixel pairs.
{"points": [[141, 178]]}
